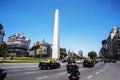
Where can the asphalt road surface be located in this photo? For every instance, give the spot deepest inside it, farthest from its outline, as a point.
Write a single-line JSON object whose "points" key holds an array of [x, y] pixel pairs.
{"points": [[101, 71]]}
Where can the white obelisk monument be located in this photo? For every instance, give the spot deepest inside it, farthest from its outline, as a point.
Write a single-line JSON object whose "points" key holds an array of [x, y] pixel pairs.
{"points": [[56, 47]]}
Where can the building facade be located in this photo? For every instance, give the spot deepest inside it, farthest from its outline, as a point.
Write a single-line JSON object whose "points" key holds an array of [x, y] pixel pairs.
{"points": [[111, 46], [41, 50], [18, 45], [80, 53], [69, 54], [116, 44], [2, 33], [104, 50]]}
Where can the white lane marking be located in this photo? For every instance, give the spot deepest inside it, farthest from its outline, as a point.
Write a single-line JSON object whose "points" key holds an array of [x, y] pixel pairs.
{"points": [[22, 69], [97, 72], [41, 77], [89, 76], [15, 70], [102, 70], [106, 67], [28, 72], [62, 73], [17, 67], [25, 73], [9, 75]]}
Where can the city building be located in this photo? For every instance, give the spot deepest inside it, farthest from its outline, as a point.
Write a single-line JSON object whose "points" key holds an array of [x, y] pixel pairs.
{"points": [[116, 44], [80, 53], [69, 54], [2, 33], [104, 50], [111, 46], [41, 50], [18, 45]]}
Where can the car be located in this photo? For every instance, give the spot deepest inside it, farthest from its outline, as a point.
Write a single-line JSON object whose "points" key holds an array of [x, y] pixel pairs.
{"points": [[88, 63], [64, 61], [107, 61], [79, 61], [113, 61], [96, 61], [3, 74], [49, 65]]}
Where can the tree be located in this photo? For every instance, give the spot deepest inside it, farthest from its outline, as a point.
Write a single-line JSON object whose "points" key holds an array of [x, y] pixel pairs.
{"points": [[63, 54], [75, 56], [92, 54], [3, 50]]}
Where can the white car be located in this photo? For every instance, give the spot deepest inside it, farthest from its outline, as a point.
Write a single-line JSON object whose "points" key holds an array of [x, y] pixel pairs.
{"points": [[79, 61]]}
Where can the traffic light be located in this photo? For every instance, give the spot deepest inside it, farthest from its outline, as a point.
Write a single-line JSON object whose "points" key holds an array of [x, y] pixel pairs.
{"points": [[41, 49]]}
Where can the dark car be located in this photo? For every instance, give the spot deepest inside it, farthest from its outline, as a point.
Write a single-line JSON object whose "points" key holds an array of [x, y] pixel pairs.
{"points": [[3, 74], [49, 65], [88, 63], [64, 61], [107, 61], [113, 61]]}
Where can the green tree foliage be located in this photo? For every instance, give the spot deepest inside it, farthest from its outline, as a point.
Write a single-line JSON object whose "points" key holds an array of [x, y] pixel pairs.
{"points": [[92, 54], [63, 54], [75, 56], [3, 50]]}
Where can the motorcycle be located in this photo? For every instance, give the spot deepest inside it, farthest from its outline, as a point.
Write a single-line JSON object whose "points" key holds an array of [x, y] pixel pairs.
{"points": [[74, 76]]}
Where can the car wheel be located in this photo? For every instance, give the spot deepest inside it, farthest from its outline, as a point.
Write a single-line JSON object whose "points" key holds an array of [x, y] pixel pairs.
{"points": [[48, 67], [58, 66], [70, 78], [84, 65], [41, 68]]}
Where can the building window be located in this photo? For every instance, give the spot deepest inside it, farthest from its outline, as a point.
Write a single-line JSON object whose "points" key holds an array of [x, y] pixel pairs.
{"points": [[118, 45], [118, 36]]}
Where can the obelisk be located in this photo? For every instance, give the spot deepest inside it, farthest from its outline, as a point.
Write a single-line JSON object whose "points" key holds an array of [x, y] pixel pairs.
{"points": [[56, 48]]}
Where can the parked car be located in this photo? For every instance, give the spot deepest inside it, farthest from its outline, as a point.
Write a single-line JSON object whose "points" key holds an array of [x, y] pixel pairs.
{"points": [[49, 65], [88, 63], [113, 61], [3, 74]]}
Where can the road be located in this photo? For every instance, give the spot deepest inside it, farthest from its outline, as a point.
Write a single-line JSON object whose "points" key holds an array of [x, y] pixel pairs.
{"points": [[101, 71]]}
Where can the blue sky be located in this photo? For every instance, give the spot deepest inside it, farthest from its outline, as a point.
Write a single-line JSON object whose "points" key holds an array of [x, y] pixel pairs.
{"points": [[83, 23]]}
